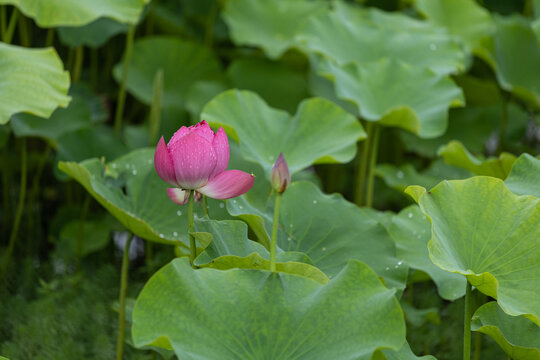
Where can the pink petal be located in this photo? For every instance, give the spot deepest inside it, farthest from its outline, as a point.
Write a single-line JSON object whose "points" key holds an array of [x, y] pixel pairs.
{"points": [[164, 163], [203, 129], [221, 147], [194, 160], [228, 184], [180, 133], [178, 196]]}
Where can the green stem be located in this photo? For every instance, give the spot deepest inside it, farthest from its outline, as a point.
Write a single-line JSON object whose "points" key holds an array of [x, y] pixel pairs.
{"points": [[24, 33], [8, 35], [49, 40], [77, 65], [504, 120], [94, 68], [275, 224], [18, 214], [361, 166], [6, 177], [205, 205], [125, 68], [477, 345], [192, 243], [3, 19], [372, 162], [209, 28], [155, 109], [467, 324], [122, 299], [82, 220]]}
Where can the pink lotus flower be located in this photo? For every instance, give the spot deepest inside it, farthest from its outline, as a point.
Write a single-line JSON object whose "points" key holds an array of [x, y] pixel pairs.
{"points": [[196, 159]]}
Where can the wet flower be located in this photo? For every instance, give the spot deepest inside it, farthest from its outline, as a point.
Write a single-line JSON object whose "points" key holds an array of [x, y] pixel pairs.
{"points": [[196, 159]]}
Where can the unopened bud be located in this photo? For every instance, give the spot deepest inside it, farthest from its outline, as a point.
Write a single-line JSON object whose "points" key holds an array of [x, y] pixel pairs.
{"points": [[281, 177]]}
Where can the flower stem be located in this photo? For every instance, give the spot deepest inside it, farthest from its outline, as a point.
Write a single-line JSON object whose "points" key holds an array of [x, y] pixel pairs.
{"points": [[361, 166], [18, 214], [192, 244], [122, 299], [155, 108], [77, 65], [467, 324], [205, 205], [372, 163], [125, 68], [273, 243], [8, 35]]}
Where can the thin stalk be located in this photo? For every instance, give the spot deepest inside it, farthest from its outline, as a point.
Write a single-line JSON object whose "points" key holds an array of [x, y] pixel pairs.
{"points": [[77, 65], [467, 324], [504, 121], [209, 28], [477, 345], [122, 299], [3, 20], [361, 166], [18, 214], [94, 68], [34, 189], [155, 109], [125, 68], [82, 220], [273, 243], [205, 205], [8, 35], [49, 40], [192, 243], [372, 162], [6, 177], [24, 34]]}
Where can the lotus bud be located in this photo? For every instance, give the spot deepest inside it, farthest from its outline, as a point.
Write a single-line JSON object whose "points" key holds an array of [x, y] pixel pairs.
{"points": [[281, 177]]}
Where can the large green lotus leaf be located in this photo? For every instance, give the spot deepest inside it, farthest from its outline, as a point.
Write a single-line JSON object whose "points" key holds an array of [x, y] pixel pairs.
{"points": [[183, 63], [515, 57], [454, 153], [396, 94], [524, 178], [400, 177], [94, 34], [33, 81], [352, 34], [62, 121], [254, 314], [516, 335], [53, 13], [411, 232], [463, 18], [271, 25], [329, 229], [319, 132], [482, 230], [280, 86], [405, 353], [130, 189], [230, 248], [89, 142], [481, 123], [93, 236]]}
